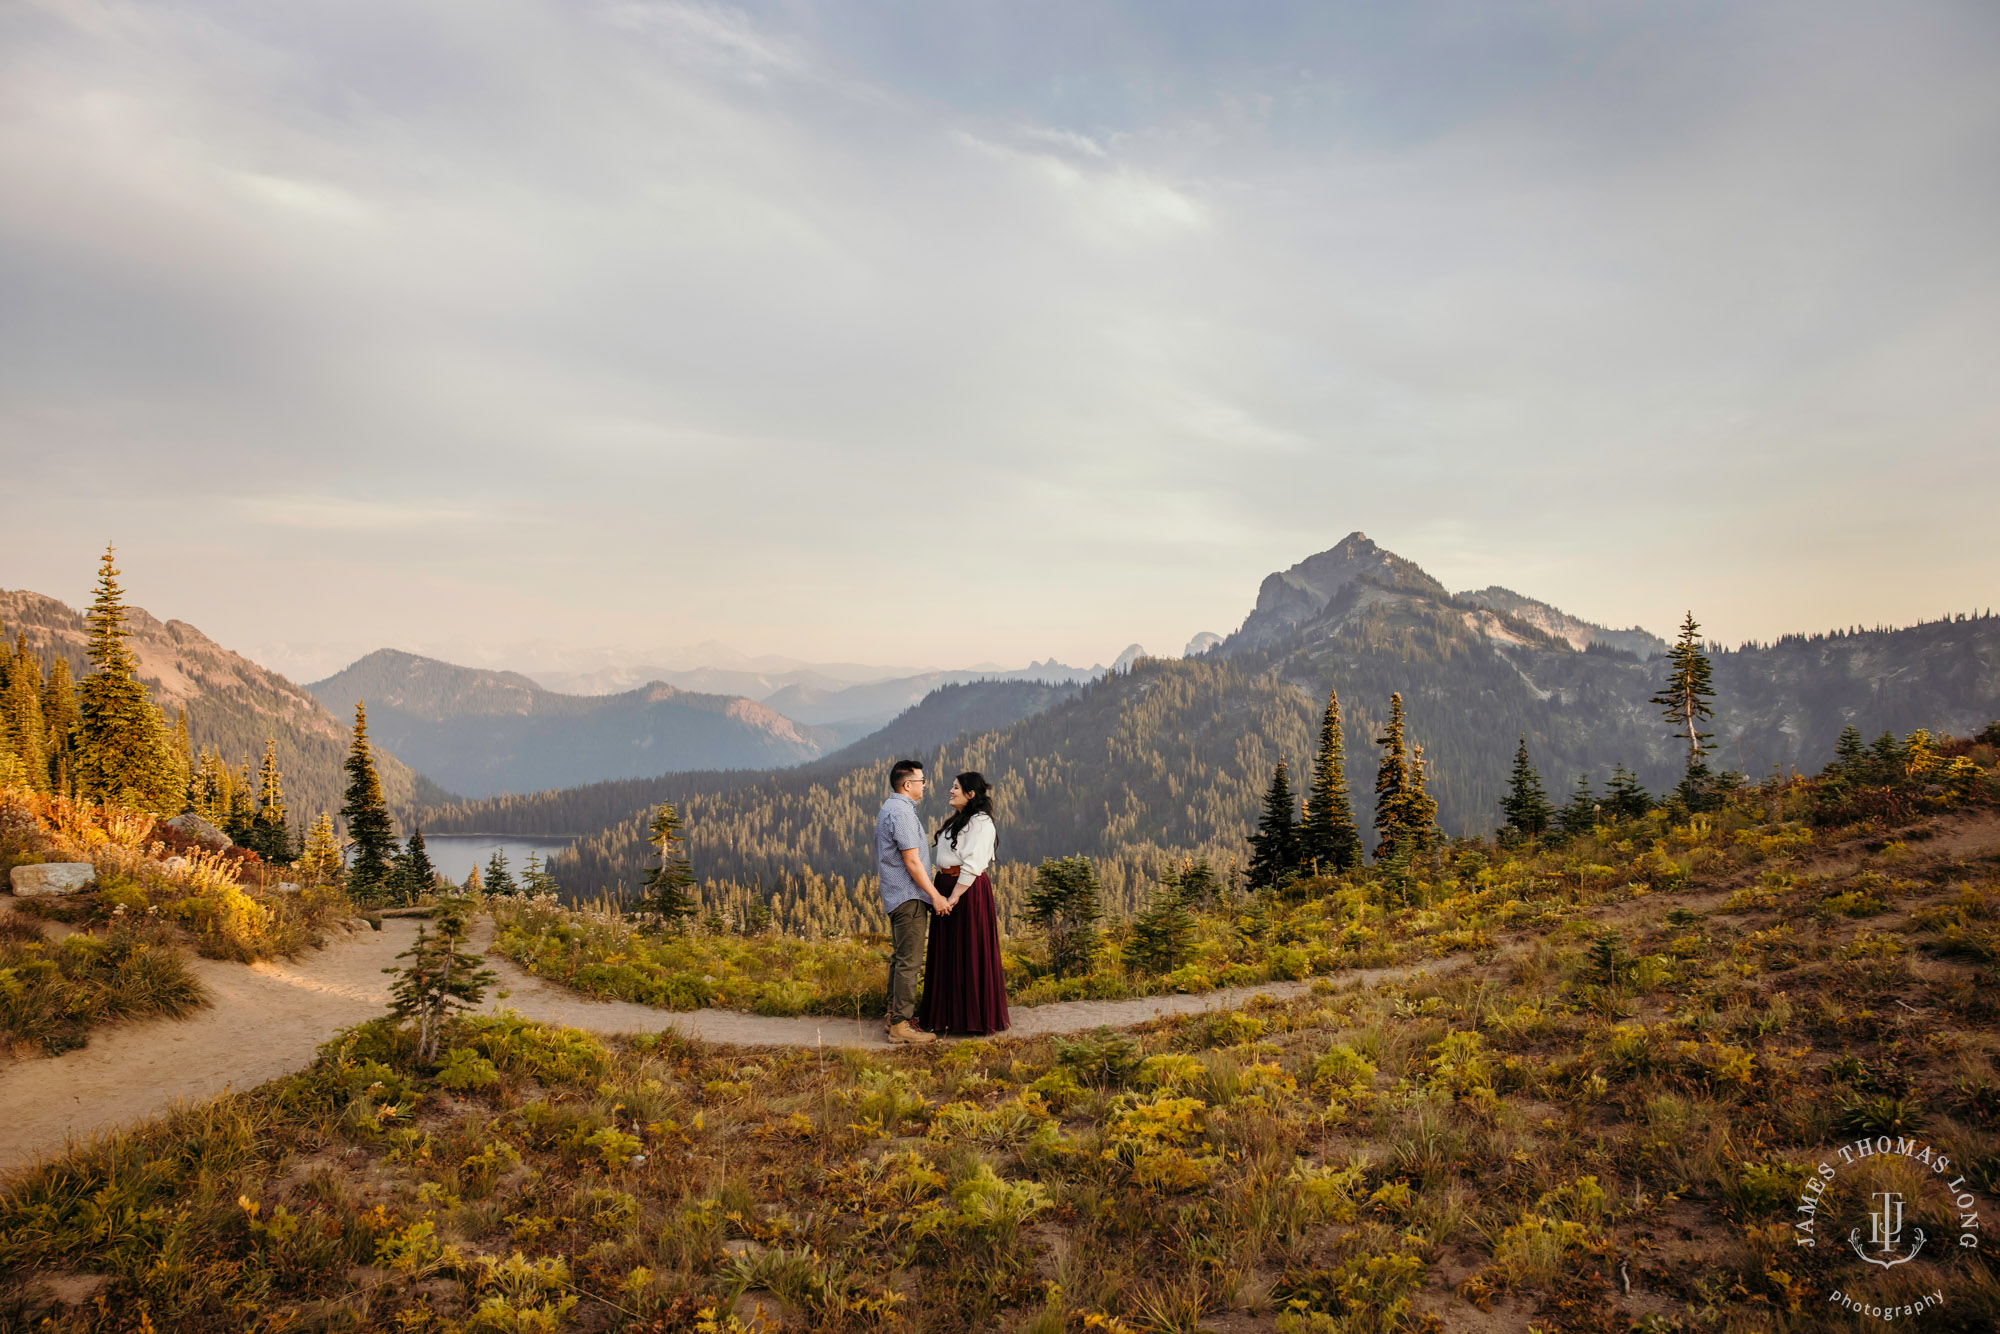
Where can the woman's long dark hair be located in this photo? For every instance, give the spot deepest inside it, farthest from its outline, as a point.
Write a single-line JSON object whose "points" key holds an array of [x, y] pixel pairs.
{"points": [[974, 785]]}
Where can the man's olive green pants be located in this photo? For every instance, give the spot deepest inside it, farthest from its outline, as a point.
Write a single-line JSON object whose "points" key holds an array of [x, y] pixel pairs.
{"points": [[909, 931]]}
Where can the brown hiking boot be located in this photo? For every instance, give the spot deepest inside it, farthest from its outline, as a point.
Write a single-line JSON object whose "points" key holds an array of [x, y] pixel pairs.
{"points": [[906, 1032]]}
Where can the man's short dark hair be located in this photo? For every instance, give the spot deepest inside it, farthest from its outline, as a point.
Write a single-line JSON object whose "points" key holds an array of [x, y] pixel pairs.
{"points": [[900, 770]]}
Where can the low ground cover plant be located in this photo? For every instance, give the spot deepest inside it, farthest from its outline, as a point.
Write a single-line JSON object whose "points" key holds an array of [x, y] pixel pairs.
{"points": [[154, 896], [1602, 1121]]}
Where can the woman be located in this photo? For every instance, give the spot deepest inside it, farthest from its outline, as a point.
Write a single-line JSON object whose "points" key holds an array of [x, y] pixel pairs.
{"points": [[964, 990]]}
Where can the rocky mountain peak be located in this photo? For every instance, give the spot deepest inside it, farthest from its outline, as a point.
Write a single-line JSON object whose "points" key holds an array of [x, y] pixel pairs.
{"points": [[1290, 598]]}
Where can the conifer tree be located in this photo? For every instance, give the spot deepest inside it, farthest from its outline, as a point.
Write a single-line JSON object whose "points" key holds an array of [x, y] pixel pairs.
{"points": [[208, 789], [1526, 804], [184, 760], [669, 887], [369, 828], [1416, 827], [1161, 935], [499, 883], [320, 863], [536, 878], [1849, 752], [271, 836], [1328, 838], [1275, 846], [1392, 781], [123, 753], [12, 773], [59, 712], [473, 884], [1626, 799], [1196, 883], [1579, 814], [412, 876], [1684, 699], [28, 731], [1885, 758], [1066, 903], [442, 977], [239, 820]]}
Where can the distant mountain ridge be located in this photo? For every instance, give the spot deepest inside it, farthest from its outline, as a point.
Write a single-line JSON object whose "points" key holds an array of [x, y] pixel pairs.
{"points": [[1174, 755], [489, 732], [233, 704], [852, 708]]}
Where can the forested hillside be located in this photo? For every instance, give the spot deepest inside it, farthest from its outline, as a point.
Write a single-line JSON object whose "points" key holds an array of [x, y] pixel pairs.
{"points": [[484, 732], [1173, 756], [232, 704], [945, 713]]}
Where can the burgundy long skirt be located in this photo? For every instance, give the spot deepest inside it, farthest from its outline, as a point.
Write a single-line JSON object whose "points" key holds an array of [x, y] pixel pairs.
{"points": [[964, 989]]}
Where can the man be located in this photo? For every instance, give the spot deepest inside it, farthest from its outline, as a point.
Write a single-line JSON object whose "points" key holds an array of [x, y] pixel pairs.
{"points": [[908, 895]]}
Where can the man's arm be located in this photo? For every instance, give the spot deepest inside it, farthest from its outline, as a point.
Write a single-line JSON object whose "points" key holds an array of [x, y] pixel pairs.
{"points": [[919, 873]]}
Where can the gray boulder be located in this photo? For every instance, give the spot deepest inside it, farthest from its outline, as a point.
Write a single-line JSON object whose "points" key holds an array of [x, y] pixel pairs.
{"points": [[52, 878], [201, 831]]}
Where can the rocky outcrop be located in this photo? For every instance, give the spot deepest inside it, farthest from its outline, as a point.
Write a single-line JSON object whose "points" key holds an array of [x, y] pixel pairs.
{"points": [[52, 878], [193, 827], [1291, 598]]}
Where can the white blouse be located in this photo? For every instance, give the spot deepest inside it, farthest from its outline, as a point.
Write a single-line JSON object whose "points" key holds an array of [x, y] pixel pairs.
{"points": [[971, 852]]}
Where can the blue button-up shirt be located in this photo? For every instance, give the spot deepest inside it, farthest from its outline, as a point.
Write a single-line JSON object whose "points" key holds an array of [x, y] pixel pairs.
{"points": [[897, 828]]}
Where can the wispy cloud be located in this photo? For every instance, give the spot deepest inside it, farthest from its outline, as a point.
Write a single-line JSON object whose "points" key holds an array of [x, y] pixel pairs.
{"points": [[523, 315]]}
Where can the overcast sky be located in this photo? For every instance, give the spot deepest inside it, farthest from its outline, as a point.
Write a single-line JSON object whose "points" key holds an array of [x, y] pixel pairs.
{"points": [[930, 333]]}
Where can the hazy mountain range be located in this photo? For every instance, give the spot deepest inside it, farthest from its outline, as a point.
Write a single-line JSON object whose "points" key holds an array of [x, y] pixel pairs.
{"points": [[813, 693], [1175, 754], [481, 733]]}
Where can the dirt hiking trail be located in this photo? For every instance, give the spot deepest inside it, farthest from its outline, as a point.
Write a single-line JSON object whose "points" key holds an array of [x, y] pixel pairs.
{"points": [[266, 1020]]}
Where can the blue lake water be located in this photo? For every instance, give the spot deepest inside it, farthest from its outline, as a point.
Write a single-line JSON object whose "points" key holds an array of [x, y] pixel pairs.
{"points": [[455, 855]]}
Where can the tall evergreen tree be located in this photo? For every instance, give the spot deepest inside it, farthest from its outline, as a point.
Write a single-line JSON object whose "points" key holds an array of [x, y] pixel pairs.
{"points": [[208, 789], [1579, 814], [1392, 781], [1416, 827], [1526, 804], [669, 887], [1275, 846], [184, 757], [498, 881], [123, 753], [369, 828], [1626, 799], [239, 819], [28, 729], [1328, 837], [412, 875], [12, 772], [319, 862], [271, 835], [59, 712], [1684, 699]]}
